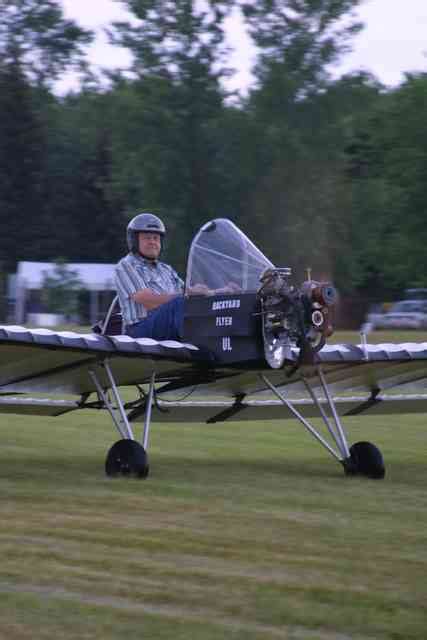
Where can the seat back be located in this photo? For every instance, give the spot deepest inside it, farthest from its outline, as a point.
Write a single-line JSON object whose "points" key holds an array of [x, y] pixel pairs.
{"points": [[113, 321]]}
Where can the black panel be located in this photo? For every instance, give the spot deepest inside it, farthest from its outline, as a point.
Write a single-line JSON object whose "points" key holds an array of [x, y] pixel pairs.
{"points": [[229, 326]]}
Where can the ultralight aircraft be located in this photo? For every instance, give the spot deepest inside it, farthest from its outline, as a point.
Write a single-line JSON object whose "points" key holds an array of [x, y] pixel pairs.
{"points": [[255, 348]]}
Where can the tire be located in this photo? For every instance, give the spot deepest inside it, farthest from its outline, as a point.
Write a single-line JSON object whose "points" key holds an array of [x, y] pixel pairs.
{"points": [[367, 460], [127, 458]]}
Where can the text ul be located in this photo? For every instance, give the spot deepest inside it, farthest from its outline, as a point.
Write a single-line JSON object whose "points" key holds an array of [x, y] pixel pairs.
{"points": [[226, 344]]}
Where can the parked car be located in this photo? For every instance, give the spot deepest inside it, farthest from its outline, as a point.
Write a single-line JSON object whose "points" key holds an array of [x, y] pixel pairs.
{"points": [[415, 294], [406, 314], [375, 313]]}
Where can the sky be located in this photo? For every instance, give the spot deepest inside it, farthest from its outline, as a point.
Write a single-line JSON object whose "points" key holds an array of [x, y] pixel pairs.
{"points": [[394, 40]]}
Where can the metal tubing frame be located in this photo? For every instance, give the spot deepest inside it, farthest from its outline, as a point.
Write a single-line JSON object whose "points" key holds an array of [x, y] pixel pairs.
{"points": [[341, 434], [117, 413], [148, 407], [334, 434], [109, 314], [301, 418]]}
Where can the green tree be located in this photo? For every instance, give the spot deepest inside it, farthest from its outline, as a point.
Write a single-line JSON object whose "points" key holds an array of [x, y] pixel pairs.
{"points": [[178, 59], [35, 34], [21, 140], [298, 41], [79, 194], [300, 189], [387, 162], [36, 44], [174, 39]]}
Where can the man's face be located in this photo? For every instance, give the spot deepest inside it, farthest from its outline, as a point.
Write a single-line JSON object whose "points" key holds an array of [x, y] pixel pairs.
{"points": [[149, 244]]}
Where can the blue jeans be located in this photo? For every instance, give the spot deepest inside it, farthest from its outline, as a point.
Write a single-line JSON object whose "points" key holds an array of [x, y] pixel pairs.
{"points": [[164, 323]]}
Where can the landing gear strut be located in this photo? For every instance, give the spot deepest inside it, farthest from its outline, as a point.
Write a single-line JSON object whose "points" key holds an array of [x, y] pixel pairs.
{"points": [[127, 457], [362, 458]]}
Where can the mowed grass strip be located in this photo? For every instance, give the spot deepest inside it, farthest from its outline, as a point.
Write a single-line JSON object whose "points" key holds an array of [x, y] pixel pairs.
{"points": [[381, 336], [241, 531]]}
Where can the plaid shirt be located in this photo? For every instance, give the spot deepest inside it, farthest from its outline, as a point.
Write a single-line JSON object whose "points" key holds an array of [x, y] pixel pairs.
{"points": [[134, 273]]}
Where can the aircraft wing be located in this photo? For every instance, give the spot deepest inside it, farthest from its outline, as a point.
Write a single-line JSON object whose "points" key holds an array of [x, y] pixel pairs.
{"points": [[192, 387], [40, 360], [386, 378], [346, 367]]}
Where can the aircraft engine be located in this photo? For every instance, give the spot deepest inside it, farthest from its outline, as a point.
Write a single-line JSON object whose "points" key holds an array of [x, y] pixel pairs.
{"points": [[294, 316]]}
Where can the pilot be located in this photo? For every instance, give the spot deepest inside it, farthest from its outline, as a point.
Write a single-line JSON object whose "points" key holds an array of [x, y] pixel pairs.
{"points": [[150, 292]]}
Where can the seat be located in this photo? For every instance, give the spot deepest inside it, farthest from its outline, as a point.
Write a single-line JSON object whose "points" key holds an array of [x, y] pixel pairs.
{"points": [[112, 325]]}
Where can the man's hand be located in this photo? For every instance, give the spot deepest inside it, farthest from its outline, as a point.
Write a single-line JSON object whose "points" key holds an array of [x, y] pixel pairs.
{"points": [[203, 290], [230, 287], [200, 290]]}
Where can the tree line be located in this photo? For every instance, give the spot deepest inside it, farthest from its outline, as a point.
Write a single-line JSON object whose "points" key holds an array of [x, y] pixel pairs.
{"points": [[320, 172]]}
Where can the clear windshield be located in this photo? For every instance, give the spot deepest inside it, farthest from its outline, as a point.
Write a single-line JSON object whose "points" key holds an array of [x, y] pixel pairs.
{"points": [[222, 258]]}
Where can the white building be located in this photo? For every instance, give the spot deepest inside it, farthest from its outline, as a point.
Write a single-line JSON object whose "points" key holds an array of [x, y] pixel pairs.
{"points": [[29, 278]]}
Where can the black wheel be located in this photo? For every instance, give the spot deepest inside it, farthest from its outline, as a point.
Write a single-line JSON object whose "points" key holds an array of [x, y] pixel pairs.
{"points": [[127, 458], [366, 459]]}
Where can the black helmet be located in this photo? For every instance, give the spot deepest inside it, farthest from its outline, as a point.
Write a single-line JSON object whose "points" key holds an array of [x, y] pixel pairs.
{"points": [[143, 222]]}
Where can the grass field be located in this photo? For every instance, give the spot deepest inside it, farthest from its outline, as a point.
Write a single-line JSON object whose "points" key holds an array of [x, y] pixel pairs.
{"points": [[376, 337], [243, 531]]}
